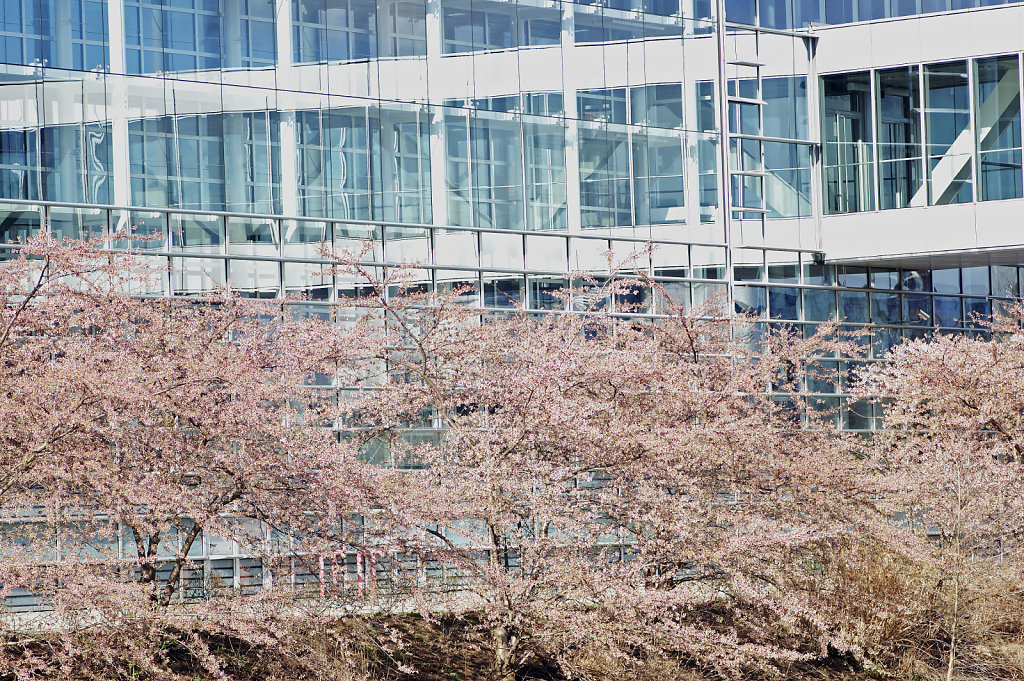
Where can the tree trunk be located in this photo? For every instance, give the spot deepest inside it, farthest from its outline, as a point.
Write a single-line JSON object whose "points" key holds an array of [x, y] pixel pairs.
{"points": [[958, 566], [147, 555], [504, 649], [952, 633], [172, 579]]}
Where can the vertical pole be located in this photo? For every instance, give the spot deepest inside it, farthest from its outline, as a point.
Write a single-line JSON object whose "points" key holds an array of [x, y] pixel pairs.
{"points": [[814, 107], [438, 145], [572, 143], [286, 118], [117, 103], [723, 142]]}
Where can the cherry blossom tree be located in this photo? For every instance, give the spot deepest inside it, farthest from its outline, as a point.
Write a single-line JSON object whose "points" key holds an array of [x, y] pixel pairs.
{"points": [[626, 483], [133, 426], [605, 481], [949, 471]]}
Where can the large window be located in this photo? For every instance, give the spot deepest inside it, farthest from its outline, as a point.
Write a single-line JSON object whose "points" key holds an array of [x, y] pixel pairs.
{"points": [[334, 163], [948, 140], [997, 110], [485, 171], [544, 151], [605, 196], [478, 26], [847, 139], [899, 137], [334, 30], [65, 34]]}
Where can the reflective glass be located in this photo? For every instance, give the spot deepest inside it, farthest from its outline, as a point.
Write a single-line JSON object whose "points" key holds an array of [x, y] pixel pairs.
{"points": [[899, 138], [847, 143], [948, 312], [658, 178], [785, 107], [853, 306], [605, 195], [948, 138], [788, 183], [998, 128], [544, 155], [784, 303]]}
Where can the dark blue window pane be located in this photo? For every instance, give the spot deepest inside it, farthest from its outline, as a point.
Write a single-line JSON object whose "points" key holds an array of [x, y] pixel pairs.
{"points": [[783, 303], [838, 11], [739, 11], [774, 13], [853, 306]]}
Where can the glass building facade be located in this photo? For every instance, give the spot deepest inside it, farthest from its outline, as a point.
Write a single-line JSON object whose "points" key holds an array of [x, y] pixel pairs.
{"points": [[808, 160], [503, 144]]}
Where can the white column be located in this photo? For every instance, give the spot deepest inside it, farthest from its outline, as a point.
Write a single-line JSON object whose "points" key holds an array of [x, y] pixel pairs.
{"points": [[286, 131], [231, 34], [62, 27], [117, 103], [572, 145], [438, 149]]}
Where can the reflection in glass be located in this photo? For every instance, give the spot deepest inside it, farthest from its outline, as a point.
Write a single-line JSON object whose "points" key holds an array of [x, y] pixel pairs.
{"points": [[846, 137], [788, 183], [333, 30], [658, 178], [948, 138], [605, 199], [997, 112], [485, 171], [544, 154], [899, 138]]}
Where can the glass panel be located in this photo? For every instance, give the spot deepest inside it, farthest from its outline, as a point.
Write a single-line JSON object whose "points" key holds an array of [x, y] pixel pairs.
{"points": [[740, 11], [852, 276], [947, 311], [1004, 281], [197, 233], [784, 303], [305, 238], [307, 280], [78, 223], [336, 177], [196, 276], [255, 278], [547, 293], [485, 171], [750, 300], [853, 306], [658, 106], [819, 305], [605, 196], [949, 141], [783, 267], [546, 254], [544, 154], [333, 30], [658, 177], [774, 13], [253, 236], [975, 281], [19, 224], [839, 11], [946, 280], [846, 131], [788, 183], [997, 121], [899, 138], [886, 308], [748, 264], [785, 107], [503, 290]]}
